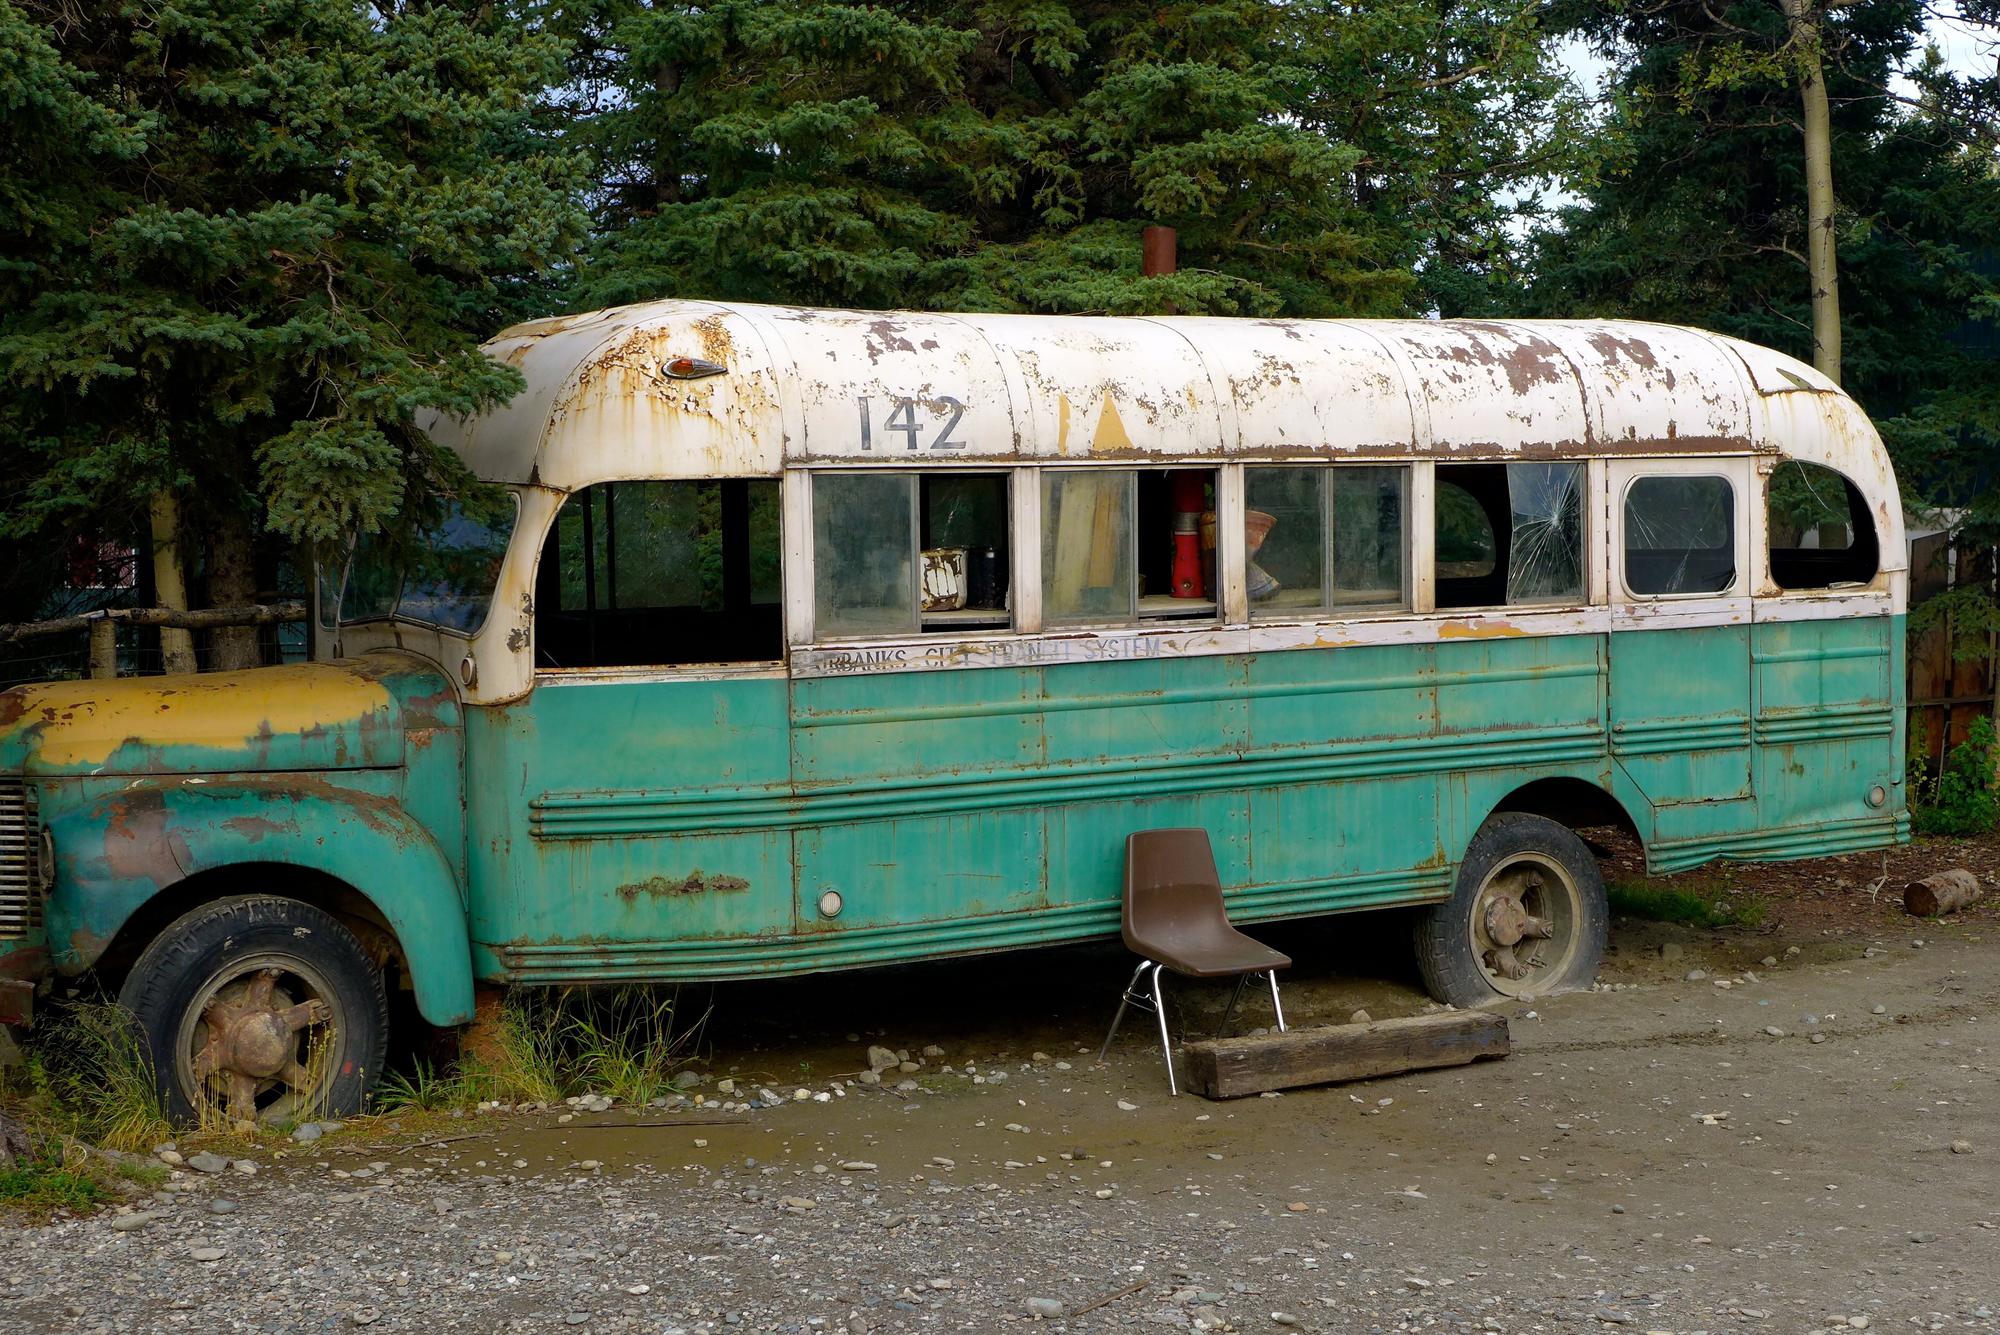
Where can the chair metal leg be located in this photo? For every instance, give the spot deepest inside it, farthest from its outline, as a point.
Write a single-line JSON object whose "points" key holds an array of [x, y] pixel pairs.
{"points": [[1276, 1005], [1234, 997], [1123, 1001], [1166, 1044]]}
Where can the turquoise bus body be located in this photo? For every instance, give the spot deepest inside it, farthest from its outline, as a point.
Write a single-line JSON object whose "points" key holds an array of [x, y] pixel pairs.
{"points": [[563, 828]]}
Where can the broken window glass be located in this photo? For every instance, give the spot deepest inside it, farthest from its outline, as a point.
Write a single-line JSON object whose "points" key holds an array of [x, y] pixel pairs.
{"points": [[1545, 557], [1680, 535], [864, 554]]}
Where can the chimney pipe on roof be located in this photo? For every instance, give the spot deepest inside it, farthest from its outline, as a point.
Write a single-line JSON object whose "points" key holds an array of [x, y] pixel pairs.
{"points": [[1159, 245]]}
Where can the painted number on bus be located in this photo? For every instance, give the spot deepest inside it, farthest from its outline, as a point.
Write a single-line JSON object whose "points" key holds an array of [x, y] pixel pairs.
{"points": [[902, 419]]}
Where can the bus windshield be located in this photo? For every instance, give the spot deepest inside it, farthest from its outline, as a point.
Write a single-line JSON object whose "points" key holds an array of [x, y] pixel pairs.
{"points": [[443, 575]]}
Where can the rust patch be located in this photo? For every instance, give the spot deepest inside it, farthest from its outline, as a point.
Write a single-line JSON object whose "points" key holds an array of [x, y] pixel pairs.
{"points": [[31, 963], [886, 336], [1615, 348], [1529, 360], [137, 843], [255, 829], [1474, 630], [696, 883], [716, 344]]}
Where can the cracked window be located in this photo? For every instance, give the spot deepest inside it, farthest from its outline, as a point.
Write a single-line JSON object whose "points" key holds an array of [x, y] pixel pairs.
{"points": [[1509, 534], [1680, 535]]}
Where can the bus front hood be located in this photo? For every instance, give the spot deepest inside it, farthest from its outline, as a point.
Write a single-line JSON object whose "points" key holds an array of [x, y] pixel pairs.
{"points": [[355, 714]]}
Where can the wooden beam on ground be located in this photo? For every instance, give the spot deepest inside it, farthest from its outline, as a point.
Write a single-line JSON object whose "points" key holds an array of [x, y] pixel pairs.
{"points": [[1229, 1068]]}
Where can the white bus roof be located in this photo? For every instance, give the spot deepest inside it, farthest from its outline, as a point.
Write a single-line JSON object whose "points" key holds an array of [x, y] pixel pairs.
{"points": [[602, 403]]}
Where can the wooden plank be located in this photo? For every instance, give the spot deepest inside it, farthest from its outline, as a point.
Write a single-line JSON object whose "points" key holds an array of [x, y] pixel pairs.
{"points": [[1229, 1068]]}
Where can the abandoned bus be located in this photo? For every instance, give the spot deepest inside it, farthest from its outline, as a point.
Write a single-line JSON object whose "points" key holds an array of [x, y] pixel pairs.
{"points": [[804, 640]]}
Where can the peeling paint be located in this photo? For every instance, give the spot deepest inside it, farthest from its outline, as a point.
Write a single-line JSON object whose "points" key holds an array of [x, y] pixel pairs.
{"points": [[695, 882], [80, 724]]}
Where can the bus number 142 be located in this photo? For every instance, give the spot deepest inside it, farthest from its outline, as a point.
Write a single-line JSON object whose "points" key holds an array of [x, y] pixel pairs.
{"points": [[903, 418]]}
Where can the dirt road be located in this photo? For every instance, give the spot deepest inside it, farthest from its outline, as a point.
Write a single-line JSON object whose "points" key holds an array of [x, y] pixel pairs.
{"points": [[1649, 1158]]}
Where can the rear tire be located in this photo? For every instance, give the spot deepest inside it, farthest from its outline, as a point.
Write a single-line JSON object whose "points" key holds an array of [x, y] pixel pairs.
{"points": [[1527, 916], [259, 1009]]}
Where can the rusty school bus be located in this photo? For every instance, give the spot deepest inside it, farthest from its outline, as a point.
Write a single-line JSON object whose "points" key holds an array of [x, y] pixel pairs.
{"points": [[806, 640]]}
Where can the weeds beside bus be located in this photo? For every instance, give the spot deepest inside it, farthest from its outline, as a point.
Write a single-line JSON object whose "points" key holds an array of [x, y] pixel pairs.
{"points": [[789, 640]]}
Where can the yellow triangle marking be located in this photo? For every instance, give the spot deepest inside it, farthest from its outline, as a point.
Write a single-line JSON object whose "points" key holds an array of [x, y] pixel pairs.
{"points": [[1110, 429]]}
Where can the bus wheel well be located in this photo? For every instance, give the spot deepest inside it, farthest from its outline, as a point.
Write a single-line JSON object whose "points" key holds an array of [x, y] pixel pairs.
{"points": [[1575, 803], [342, 901]]}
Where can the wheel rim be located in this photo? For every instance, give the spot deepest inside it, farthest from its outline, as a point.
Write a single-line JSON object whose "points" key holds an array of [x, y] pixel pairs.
{"points": [[1524, 926], [256, 1044]]}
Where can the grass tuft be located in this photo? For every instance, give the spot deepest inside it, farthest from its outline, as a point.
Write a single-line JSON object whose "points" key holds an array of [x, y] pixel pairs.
{"points": [[40, 1186], [544, 1046], [88, 1077], [1709, 906]]}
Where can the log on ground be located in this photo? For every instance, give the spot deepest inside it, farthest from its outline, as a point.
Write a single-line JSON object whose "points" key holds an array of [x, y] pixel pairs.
{"points": [[1941, 893], [1228, 1068]]}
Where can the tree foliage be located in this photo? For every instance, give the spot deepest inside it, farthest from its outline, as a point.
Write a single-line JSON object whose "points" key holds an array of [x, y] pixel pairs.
{"points": [[1698, 215], [243, 247], [1315, 158]]}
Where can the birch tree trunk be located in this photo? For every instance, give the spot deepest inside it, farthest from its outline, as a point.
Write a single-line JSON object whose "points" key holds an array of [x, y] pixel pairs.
{"points": [[232, 582], [1803, 20], [170, 581]]}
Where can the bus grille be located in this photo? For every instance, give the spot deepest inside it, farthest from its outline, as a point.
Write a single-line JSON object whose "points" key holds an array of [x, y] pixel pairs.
{"points": [[20, 846]]}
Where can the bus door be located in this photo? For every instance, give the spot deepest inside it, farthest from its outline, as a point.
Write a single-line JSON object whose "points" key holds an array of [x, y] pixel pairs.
{"points": [[1680, 643]]}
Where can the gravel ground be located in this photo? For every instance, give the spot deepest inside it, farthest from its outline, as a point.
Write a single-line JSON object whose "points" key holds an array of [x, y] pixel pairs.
{"points": [[1652, 1157]]}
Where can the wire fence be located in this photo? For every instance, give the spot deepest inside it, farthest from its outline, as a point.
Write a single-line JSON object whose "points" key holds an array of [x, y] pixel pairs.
{"points": [[65, 655]]}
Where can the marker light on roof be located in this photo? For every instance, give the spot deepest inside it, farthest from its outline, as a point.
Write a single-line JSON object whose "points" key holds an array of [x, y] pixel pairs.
{"points": [[692, 368]]}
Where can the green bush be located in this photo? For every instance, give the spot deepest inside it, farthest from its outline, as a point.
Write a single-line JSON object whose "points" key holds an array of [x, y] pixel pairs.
{"points": [[1962, 797]]}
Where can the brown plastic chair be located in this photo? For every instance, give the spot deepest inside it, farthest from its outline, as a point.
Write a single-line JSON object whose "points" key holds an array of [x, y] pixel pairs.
{"points": [[1174, 919]]}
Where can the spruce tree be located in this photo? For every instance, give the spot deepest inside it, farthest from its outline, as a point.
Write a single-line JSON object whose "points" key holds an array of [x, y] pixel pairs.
{"points": [[1313, 158], [244, 244]]}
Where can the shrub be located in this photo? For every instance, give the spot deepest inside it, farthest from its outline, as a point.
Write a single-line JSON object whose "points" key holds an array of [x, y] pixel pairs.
{"points": [[1962, 797]]}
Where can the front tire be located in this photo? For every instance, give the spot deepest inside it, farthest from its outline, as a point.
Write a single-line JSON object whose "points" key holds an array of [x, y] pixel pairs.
{"points": [[1527, 916], [262, 1010]]}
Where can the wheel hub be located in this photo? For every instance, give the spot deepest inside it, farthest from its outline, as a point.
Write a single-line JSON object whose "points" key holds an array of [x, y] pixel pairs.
{"points": [[256, 1044], [251, 1038], [1510, 918]]}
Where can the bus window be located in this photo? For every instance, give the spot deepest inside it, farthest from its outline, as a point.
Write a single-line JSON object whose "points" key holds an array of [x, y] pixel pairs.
{"points": [[864, 554], [1176, 567], [1368, 547], [1509, 534], [964, 551], [1319, 538], [658, 573], [1122, 545], [1680, 535], [1284, 540], [1087, 570], [1820, 531], [899, 553]]}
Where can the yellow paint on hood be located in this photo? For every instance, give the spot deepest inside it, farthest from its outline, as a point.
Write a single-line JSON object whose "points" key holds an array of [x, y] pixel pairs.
{"points": [[83, 723]]}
